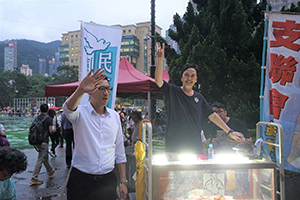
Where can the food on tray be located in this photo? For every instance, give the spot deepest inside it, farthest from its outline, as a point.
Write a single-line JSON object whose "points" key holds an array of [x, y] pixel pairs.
{"points": [[195, 193], [221, 197]]}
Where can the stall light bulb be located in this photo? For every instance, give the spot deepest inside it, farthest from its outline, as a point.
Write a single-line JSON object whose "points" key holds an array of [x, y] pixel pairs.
{"points": [[188, 158], [160, 159], [231, 158]]}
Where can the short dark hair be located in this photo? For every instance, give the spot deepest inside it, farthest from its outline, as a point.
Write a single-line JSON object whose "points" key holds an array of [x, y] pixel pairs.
{"points": [[44, 108], [12, 160], [51, 113], [219, 105], [138, 114], [187, 66]]}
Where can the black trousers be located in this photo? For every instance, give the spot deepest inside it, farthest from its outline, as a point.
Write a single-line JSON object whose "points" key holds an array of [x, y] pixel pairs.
{"points": [[54, 140], [69, 137], [83, 186]]}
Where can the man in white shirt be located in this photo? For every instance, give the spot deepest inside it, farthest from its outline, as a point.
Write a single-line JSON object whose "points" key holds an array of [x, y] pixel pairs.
{"points": [[99, 142]]}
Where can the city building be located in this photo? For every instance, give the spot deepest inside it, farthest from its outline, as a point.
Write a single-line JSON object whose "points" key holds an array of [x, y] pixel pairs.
{"points": [[10, 56], [69, 51], [25, 69], [51, 67], [57, 63], [135, 46], [42, 66], [278, 4]]}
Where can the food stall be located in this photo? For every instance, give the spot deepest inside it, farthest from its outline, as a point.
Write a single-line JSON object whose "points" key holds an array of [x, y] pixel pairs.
{"points": [[190, 177]]}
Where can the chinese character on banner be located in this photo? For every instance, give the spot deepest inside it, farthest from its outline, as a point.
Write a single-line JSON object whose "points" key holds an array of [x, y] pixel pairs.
{"points": [[271, 132], [282, 68], [286, 33], [277, 101], [282, 87]]}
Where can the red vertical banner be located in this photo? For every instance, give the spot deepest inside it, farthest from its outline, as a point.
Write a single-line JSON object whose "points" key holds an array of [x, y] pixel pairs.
{"points": [[282, 86]]}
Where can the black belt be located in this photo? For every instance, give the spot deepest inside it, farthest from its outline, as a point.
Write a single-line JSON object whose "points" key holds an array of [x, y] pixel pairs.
{"points": [[93, 176]]}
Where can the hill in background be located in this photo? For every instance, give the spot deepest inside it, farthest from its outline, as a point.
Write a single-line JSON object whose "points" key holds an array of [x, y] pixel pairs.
{"points": [[29, 51]]}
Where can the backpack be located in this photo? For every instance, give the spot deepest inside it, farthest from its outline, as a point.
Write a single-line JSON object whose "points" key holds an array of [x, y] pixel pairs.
{"points": [[35, 135]]}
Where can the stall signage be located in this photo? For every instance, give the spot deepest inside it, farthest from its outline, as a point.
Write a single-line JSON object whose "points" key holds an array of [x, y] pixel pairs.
{"points": [[282, 86], [11, 44]]}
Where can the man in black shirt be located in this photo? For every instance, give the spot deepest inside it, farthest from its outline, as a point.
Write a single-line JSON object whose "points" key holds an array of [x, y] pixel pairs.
{"points": [[235, 124], [43, 147]]}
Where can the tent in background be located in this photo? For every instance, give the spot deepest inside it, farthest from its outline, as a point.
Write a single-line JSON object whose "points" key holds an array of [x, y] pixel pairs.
{"points": [[131, 84], [65, 89], [54, 107]]}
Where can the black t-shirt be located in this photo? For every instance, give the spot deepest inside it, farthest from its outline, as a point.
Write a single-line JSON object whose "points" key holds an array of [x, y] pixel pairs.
{"points": [[185, 116], [226, 145], [234, 124], [47, 122]]}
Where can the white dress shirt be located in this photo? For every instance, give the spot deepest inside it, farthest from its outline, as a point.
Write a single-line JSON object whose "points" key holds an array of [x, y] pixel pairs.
{"points": [[98, 139]]}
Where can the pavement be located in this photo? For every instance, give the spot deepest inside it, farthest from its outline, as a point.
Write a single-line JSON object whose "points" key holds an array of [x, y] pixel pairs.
{"points": [[51, 188]]}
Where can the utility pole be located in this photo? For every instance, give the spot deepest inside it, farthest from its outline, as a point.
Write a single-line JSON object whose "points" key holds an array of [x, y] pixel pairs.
{"points": [[152, 108]]}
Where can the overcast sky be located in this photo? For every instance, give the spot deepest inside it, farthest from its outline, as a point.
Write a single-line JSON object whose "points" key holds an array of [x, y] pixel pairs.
{"points": [[46, 20]]}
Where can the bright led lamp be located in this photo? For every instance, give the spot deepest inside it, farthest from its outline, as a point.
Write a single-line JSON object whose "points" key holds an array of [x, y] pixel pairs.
{"points": [[230, 158]]}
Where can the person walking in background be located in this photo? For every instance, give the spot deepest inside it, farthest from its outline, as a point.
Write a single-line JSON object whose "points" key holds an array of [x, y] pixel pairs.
{"points": [[3, 140], [55, 134], [68, 134], [136, 118], [99, 142], [61, 139], [157, 123], [43, 147]]}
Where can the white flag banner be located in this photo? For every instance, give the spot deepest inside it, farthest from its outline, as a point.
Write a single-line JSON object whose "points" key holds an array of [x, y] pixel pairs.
{"points": [[100, 48], [282, 87]]}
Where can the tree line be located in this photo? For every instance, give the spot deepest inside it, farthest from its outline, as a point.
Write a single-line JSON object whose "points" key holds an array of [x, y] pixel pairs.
{"points": [[14, 84]]}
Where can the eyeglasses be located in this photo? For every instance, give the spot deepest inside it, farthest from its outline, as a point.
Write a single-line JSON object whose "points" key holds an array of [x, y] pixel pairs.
{"points": [[103, 88], [219, 111]]}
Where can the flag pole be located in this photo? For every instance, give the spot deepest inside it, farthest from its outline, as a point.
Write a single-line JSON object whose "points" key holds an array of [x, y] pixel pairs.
{"points": [[263, 67]]}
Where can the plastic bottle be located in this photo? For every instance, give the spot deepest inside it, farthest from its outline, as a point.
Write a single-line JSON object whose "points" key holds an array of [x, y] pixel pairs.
{"points": [[210, 152]]}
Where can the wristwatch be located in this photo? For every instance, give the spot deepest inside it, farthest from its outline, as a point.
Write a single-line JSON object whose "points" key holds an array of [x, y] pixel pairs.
{"points": [[124, 182], [230, 131]]}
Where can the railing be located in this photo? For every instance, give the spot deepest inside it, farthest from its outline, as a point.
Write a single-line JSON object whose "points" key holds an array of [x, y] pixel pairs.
{"points": [[281, 154], [142, 136]]}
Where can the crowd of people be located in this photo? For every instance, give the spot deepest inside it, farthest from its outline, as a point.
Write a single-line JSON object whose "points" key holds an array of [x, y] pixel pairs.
{"points": [[96, 136], [131, 118], [19, 112]]}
